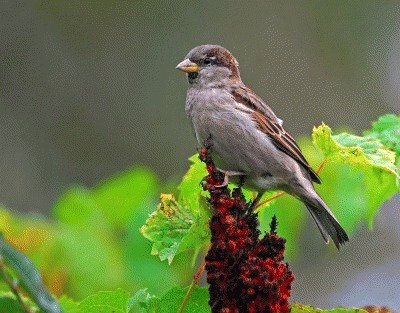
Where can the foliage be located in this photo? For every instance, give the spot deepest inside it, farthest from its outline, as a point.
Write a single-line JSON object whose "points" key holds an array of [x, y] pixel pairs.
{"points": [[142, 302], [174, 228], [92, 241], [373, 164], [387, 130], [83, 242], [356, 150], [297, 308]]}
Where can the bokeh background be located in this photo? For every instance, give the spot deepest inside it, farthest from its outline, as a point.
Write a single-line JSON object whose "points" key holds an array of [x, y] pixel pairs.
{"points": [[88, 88]]}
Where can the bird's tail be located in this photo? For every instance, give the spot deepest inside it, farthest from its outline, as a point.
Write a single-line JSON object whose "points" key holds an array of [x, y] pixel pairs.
{"points": [[326, 221]]}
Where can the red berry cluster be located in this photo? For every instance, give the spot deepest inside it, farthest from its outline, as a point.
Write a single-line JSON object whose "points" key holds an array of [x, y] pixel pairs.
{"points": [[245, 273]]}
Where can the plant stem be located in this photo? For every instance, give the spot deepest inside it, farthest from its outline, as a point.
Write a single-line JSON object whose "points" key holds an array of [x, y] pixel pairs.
{"points": [[194, 282], [281, 193], [13, 286], [321, 166], [278, 195]]}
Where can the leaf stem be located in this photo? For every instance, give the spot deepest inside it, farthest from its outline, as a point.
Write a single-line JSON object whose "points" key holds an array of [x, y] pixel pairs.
{"points": [[321, 166], [281, 193], [194, 282], [278, 195], [13, 286]]}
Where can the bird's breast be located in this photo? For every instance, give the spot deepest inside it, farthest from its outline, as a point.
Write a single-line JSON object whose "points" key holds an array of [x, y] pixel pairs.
{"points": [[237, 143], [212, 111]]}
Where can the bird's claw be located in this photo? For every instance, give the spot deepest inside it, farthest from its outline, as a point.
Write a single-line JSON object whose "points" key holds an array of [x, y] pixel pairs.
{"points": [[228, 174], [224, 183]]}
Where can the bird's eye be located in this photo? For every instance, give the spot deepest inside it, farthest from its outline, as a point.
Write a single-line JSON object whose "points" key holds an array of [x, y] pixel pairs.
{"points": [[207, 61]]}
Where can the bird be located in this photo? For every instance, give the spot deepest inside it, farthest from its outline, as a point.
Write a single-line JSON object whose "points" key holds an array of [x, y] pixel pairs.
{"points": [[248, 140]]}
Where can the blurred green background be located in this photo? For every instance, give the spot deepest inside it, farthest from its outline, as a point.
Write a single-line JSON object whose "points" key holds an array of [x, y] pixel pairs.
{"points": [[88, 88]]}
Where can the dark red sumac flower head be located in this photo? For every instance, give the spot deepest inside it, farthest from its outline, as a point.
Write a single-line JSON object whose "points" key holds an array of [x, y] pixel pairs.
{"points": [[245, 273]]}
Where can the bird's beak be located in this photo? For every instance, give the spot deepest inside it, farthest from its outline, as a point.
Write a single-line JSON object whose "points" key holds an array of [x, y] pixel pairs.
{"points": [[188, 66]]}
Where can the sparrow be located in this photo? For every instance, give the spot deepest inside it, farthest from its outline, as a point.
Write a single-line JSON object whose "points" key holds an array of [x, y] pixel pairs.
{"points": [[248, 140]]}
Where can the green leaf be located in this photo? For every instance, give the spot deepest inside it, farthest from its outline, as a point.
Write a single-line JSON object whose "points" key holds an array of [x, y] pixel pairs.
{"points": [[197, 303], [298, 308], [105, 302], [118, 196], [84, 253], [140, 266], [372, 177], [355, 150], [379, 187], [9, 304], [173, 225], [68, 305], [113, 201], [199, 232], [75, 206], [387, 130], [343, 190], [29, 277], [143, 302], [190, 189]]}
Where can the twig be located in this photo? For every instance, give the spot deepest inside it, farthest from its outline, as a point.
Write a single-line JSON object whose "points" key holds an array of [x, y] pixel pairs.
{"points": [[13, 286], [194, 282], [278, 195], [281, 193], [321, 166]]}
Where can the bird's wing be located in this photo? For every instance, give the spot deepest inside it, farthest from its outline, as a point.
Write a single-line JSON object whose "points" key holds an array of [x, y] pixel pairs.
{"points": [[269, 124]]}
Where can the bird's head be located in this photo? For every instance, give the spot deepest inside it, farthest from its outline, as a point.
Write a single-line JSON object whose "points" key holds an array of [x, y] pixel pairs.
{"points": [[210, 65]]}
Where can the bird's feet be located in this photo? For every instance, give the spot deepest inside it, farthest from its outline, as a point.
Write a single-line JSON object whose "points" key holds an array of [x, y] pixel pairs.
{"points": [[228, 174]]}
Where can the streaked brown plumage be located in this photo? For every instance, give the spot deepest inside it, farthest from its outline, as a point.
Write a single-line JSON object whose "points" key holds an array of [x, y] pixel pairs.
{"points": [[272, 127]]}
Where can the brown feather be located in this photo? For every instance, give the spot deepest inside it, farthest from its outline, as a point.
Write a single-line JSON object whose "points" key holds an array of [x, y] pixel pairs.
{"points": [[269, 124]]}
